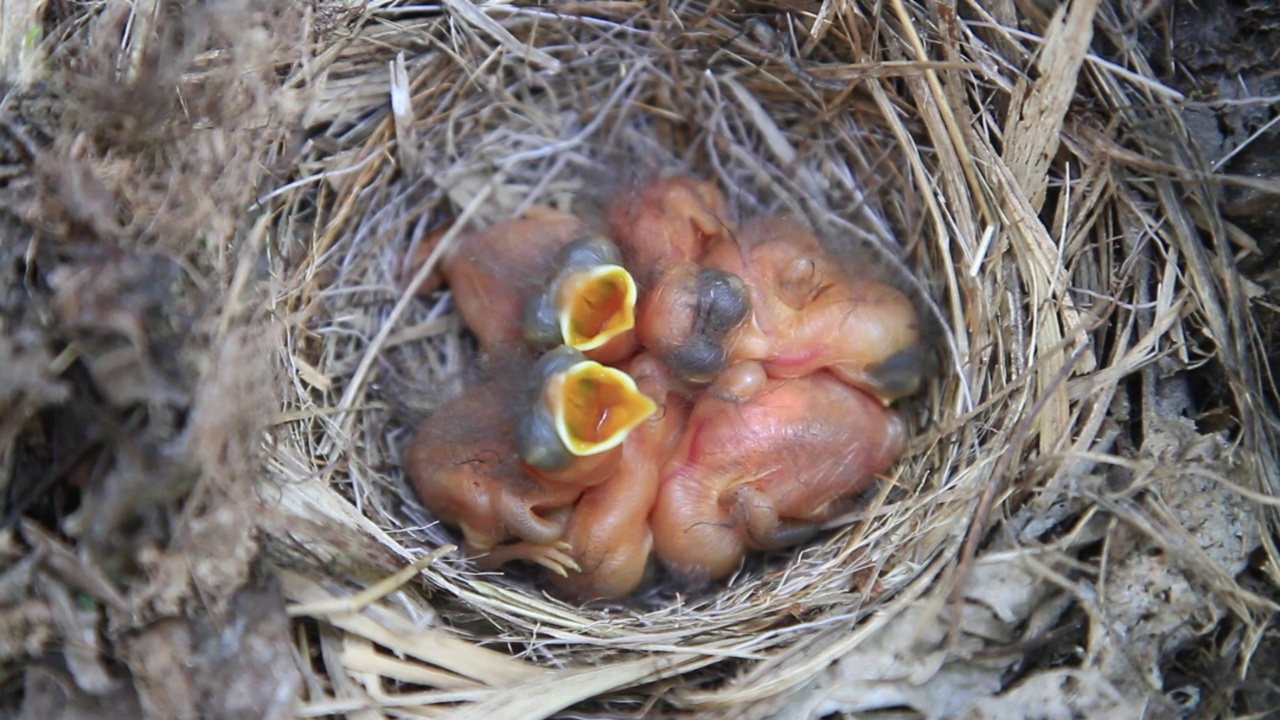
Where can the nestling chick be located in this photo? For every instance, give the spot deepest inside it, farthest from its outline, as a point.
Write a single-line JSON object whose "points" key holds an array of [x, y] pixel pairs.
{"points": [[492, 271], [577, 417], [809, 314], [464, 467], [587, 303], [608, 533], [762, 463], [665, 221]]}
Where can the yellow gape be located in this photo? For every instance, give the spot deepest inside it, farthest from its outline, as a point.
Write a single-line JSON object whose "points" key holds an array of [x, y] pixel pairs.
{"points": [[596, 305], [594, 407]]}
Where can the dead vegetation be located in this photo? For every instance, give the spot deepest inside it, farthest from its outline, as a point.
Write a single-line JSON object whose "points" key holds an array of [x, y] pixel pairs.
{"points": [[211, 357]]}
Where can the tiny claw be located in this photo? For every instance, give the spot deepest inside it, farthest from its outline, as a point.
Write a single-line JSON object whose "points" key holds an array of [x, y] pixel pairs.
{"points": [[554, 559], [549, 556]]}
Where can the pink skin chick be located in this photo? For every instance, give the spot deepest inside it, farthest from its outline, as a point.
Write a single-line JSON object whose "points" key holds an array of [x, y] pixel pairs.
{"points": [[808, 314], [762, 463], [491, 271], [465, 469], [666, 220], [608, 532]]}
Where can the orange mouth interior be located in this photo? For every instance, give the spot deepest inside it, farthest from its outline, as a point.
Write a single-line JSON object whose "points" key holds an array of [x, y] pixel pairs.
{"points": [[595, 407], [597, 305]]}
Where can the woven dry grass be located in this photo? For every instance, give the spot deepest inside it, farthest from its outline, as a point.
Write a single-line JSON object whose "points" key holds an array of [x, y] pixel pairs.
{"points": [[1070, 515]]}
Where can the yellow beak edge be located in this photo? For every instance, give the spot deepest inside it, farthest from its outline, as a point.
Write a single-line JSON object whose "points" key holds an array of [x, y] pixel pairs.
{"points": [[596, 305], [595, 407]]}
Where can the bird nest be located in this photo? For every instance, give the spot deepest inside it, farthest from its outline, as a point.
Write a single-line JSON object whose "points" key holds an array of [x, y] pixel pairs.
{"points": [[1083, 523]]}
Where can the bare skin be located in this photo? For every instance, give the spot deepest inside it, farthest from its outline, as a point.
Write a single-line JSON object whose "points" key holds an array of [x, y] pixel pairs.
{"points": [[465, 470], [762, 464], [491, 271], [809, 315], [667, 220], [608, 533]]}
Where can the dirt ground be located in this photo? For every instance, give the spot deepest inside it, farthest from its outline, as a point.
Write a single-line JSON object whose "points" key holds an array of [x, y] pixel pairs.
{"points": [[1223, 57], [138, 363]]}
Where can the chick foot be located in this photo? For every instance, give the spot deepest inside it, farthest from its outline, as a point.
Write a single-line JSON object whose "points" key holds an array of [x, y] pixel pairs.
{"points": [[554, 557]]}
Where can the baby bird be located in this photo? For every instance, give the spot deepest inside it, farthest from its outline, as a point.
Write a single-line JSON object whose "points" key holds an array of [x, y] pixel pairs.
{"points": [[608, 534], [762, 463], [688, 314], [691, 316], [543, 278], [465, 469], [809, 315], [588, 302], [666, 220], [576, 419], [491, 271]]}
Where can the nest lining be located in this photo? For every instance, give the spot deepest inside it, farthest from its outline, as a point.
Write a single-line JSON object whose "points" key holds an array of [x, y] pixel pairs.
{"points": [[483, 172]]}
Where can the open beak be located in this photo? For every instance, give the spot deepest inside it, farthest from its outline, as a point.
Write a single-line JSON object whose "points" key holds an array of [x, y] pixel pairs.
{"points": [[595, 305], [594, 407]]}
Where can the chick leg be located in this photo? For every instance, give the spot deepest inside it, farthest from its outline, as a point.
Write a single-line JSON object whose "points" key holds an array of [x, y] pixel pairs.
{"points": [[519, 517], [765, 530]]}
